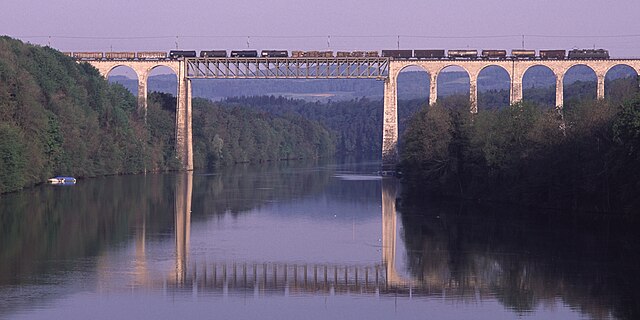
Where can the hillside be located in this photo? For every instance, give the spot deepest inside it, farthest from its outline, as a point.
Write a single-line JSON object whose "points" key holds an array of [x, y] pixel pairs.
{"points": [[59, 117]]}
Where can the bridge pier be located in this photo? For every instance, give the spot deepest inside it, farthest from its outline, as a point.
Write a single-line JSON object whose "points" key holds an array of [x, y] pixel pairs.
{"points": [[433, 88], [473, 93], [559, 90], [516, 91], [142, 94], [184, 136], [390, 124], [600, 88]]}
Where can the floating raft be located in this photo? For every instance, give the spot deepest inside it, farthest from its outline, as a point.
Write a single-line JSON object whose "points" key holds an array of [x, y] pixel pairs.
{"points": [[62, 180]]}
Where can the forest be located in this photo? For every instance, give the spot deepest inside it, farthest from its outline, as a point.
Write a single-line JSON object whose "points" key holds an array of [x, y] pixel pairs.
{"points": [[584, 156], [60, 117]]}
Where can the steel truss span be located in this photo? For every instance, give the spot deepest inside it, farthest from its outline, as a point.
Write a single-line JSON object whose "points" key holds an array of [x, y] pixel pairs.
{"points": [[288, 68]]}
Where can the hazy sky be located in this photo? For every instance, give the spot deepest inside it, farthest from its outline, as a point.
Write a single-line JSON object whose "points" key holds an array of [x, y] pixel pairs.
{"points": [[82, 25]]}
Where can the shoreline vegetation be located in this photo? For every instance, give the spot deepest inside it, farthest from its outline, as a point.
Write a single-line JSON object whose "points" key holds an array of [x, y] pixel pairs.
{"points": [[584, 157], [60, 117]]}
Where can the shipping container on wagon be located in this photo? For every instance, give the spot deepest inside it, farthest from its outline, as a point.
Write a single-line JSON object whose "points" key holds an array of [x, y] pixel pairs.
{"points": [[120, 55], [429, 54], [493, 54], [357, 54], [552, 54], [343, 54], [372, 54], [326, 54], [274, 53], [151, 55], [297, 54], [88, 55], [398, 54], [523, 54]]}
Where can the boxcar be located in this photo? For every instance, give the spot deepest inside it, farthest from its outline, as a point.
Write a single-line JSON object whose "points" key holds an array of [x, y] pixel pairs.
{"points": [[523, 54], [151, 55], [428, 54], [213, 54], [311, 54], [120, 55], [464, 53], [399, 54], [87, 55], [552, 54]]}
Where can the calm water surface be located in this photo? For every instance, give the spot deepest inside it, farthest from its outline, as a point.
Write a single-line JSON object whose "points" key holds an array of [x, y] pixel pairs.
{"points": [[292, 241]]}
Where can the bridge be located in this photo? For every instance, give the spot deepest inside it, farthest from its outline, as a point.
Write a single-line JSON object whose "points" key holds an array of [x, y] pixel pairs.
{"points": [[188, 273], [380, 68]]}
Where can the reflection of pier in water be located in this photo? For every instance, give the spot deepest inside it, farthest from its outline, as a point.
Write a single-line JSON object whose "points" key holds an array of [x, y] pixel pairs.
{"points": [[225, 277]]}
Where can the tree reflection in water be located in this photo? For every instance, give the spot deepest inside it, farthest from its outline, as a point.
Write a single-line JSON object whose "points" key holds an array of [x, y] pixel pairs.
{"points": [[525, 258]]}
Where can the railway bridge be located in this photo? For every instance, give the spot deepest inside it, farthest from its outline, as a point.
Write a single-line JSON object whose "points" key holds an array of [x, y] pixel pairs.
{"points": [[380, 68]]}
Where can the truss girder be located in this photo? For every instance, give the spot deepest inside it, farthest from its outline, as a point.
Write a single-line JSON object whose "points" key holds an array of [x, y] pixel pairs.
{"points": [[287, 68]]}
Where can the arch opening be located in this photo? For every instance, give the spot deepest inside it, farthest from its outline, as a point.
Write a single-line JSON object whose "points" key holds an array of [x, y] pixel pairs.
{"points": [[620, 83], [413, 85], [454, 85], [162, 79], [126, 77], [579, 84], [539, 86], [494, 88], [161, 104]]}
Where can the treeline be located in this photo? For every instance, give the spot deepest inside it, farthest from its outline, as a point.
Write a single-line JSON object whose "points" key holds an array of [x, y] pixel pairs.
{"points": [[356, 125], [227, 133], [59, 117], [585, 157]]}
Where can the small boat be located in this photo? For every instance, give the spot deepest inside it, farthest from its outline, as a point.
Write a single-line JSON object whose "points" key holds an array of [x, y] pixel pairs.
{"points": [[62, 180]]}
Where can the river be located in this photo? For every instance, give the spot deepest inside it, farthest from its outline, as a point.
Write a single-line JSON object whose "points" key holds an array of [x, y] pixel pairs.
{"points": [[296, 240]]}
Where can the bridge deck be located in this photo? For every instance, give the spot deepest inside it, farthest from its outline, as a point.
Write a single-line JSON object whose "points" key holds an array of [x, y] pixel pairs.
{"points": [[288, 68]]}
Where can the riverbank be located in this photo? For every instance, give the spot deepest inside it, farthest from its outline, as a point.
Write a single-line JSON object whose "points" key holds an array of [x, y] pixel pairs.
{"points": [[584, 158]]}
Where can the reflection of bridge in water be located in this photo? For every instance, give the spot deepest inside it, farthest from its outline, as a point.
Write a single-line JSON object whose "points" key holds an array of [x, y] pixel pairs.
{"points": [[292, 278]]}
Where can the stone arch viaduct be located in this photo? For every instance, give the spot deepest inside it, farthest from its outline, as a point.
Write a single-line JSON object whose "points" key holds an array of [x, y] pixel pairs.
{"points": [[386, 69]]}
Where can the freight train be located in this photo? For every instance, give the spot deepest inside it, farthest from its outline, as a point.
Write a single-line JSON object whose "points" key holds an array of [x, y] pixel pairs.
{"points": [[431, 54]]}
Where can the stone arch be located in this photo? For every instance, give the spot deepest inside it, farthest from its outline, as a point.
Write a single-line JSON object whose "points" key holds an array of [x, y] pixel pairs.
{"points": [[107, 71], [620, 86], [451, 88], [161, 64], [538, 89], [171, 88], [421, 76], [495, 98], [584, 89]]}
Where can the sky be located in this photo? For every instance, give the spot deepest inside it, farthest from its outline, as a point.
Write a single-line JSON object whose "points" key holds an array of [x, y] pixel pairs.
{"points": [[143, 25]]}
